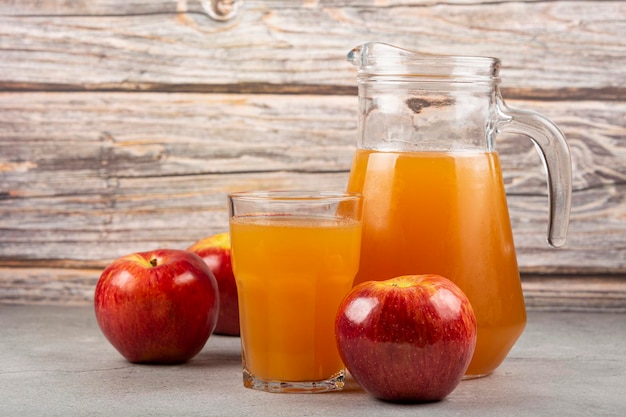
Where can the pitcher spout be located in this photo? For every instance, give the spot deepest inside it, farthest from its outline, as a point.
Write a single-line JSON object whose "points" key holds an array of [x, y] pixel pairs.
{"points": [[370, 53]]}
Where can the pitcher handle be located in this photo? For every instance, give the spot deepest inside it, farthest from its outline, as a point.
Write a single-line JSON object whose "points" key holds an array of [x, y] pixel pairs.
{"points": [[555, 155]]}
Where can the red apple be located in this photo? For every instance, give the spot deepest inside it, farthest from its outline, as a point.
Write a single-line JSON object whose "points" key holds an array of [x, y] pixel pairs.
{"points": [[407, 339], [157, 307], [215, 250]]}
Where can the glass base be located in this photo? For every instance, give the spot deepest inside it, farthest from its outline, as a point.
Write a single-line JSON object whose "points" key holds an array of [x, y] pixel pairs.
{"points": [[334, 383], [475, 376]]}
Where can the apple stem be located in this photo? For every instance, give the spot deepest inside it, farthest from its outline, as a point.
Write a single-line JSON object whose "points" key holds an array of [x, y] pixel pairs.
{"points": [[153, 262]]}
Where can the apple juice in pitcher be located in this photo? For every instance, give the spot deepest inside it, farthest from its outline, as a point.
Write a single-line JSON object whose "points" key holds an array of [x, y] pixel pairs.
{"points": [[433, 193]]}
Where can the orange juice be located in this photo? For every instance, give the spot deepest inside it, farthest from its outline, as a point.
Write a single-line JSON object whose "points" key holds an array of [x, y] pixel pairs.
{"points": [[444, 213], [292, 273]]}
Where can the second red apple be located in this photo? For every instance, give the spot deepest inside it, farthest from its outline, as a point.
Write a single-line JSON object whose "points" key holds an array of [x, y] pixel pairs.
{"points": [[407, 339], [215, 251]]}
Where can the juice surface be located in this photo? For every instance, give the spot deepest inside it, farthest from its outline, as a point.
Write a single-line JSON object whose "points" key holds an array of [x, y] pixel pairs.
{"points": [[291, 275], [446, 214]]}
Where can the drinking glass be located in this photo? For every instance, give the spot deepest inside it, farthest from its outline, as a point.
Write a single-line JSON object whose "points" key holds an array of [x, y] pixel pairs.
{"points": [[295, 255]]}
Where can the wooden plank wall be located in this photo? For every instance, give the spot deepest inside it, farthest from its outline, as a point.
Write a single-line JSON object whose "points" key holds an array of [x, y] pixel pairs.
{"points": [[123, 124]]}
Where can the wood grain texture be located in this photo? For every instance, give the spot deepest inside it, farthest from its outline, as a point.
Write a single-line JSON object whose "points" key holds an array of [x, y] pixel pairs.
{"points": [[99, 175], [568, 46], [124, 124], [75, 286], [584, 293]]}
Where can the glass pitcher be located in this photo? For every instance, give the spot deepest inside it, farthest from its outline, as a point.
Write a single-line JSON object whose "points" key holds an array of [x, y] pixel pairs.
{"points": [[434, 198]]}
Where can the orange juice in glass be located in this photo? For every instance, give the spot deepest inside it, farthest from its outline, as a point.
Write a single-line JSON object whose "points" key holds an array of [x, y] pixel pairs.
{"points": [[444, 213], [295, 255]]}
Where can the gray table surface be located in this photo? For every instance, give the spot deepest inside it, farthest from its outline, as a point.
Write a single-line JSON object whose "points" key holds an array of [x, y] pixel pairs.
{"points": [[55, 362]]}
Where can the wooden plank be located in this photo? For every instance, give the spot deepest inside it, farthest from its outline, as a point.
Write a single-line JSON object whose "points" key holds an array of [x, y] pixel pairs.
{"points": [[572, 47], [129, 135], [117, 7], [88, 177], [64, 286], [75, 286], [143, 219], [582, 293]]}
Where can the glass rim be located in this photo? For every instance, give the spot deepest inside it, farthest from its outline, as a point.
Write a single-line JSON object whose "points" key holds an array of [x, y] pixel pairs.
{"points": [[294, 195]]}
